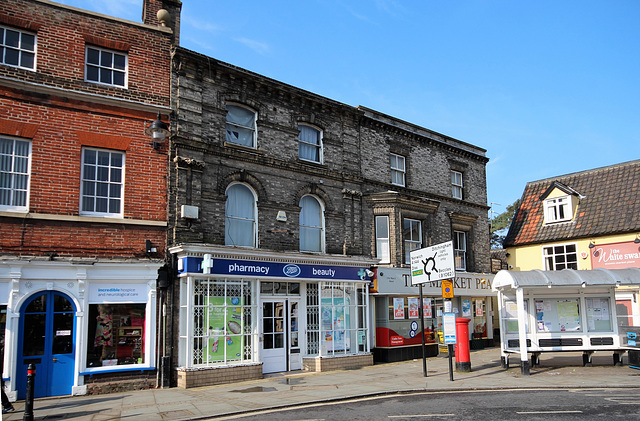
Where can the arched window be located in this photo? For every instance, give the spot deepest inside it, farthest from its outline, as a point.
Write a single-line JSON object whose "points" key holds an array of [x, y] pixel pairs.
{"points": [[240, 217], [311, 225], [241, 126]]}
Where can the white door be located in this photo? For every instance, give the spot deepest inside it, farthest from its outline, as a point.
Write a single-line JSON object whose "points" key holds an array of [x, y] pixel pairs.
{"points": [[295, 357], [274, 337]]}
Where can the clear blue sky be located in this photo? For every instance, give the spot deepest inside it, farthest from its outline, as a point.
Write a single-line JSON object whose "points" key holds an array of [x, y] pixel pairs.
{"points": [[547, 87]]}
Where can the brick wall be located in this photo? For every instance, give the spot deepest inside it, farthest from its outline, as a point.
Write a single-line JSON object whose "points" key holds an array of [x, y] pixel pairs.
{"points": [[218, 375], [347, 362], [356, 144]]}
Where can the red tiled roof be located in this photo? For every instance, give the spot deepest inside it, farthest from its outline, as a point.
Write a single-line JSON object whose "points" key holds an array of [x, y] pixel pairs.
{"points": [[609, 203]]}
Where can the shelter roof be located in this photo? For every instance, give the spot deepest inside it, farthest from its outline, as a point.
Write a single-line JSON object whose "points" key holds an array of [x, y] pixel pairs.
{"points": [[566, 278]]}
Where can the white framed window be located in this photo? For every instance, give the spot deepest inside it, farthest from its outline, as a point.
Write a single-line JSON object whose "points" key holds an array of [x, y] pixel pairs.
{"points": [[241, 126], [456, 184], [309, 144], [311, 225], [412, 237], [240, 217], [219, 322], [460, 250], [398, 169], [102, 187], [105, 67], [15, 168], [17, 48], [557, 209], [382, 239], [563, 256]]}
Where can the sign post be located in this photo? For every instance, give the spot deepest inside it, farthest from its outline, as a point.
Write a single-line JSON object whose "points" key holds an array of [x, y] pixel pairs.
{"points": [[431, 264]]}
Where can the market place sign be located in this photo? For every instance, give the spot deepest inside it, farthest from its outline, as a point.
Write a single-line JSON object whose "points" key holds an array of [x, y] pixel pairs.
{"points": [[616, 256]]}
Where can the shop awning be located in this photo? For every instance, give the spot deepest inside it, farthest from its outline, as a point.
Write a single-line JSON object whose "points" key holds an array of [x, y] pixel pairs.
{"points": [[566, 278]]}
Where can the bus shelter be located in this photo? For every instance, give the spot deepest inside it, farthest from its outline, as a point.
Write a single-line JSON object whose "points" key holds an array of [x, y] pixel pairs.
{"points": [[567, 310]]}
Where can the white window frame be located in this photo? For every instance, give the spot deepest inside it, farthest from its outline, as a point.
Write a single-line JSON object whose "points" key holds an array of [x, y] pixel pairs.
{"points": [[557, 257], [22, 50], [383, 246], [13, 174], [302, 144], [320, 228], [460, 250], [109, 181], [100, 66], [398, 171], [410, 243], [557, 209], [229, 219], [252, 128], [457, 184]]}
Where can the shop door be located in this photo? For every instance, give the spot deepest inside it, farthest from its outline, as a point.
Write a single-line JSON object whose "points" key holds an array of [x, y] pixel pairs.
{"points": [[295, 357], [274, 338], [46, 339]]}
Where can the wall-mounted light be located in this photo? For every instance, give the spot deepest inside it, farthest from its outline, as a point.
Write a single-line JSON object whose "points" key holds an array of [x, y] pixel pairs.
{"points": [[637, 240], [158, 130], [592, 245]]}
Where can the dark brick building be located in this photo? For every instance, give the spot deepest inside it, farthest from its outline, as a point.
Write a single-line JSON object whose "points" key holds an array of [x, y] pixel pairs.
{"points": [[282, 201], [82, 194]]}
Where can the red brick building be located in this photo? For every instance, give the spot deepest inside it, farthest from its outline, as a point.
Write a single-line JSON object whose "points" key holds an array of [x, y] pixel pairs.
{"points": [[83, 194]]}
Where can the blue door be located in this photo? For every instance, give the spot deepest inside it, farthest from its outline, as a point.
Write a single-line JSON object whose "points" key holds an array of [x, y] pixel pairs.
{"points": [[47, 325]]}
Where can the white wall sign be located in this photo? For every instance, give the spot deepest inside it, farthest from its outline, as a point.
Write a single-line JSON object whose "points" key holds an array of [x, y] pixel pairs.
{"points": [[118, 293], [432, 263]]}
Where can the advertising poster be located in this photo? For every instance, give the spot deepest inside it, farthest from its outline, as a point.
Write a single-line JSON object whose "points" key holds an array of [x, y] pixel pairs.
{"points": [[413, 308], [466, 308], [426, 308], [225, 325], [479, 310], [334, 323], [398, 308]]}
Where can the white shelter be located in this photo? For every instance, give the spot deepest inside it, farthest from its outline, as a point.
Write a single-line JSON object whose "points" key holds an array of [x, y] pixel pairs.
{"points": [[567, 310]]}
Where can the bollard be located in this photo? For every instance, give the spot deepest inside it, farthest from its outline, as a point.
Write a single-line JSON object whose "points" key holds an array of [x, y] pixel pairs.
{"points": [[28, 402], [463, 357]]}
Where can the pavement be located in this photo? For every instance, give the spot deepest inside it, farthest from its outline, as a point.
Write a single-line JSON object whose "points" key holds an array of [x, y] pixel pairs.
{"points": [[556, 370]]}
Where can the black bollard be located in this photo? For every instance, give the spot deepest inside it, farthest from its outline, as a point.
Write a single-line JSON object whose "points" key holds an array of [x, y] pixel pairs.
{"points": [[28, 402]]}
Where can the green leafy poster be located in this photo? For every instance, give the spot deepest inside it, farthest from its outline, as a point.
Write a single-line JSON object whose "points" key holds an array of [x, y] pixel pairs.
{"points": [[224, 328]]}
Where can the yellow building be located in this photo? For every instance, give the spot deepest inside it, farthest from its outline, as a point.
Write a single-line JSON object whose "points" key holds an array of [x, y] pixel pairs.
{"points": [[585, 220]]}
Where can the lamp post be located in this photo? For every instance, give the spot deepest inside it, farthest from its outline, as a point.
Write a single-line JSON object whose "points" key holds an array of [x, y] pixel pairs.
{"points": [[158, 130]]}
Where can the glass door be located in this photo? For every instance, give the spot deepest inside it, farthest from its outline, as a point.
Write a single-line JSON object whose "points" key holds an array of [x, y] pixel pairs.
{"points": [[274, 338], [295, 357]]}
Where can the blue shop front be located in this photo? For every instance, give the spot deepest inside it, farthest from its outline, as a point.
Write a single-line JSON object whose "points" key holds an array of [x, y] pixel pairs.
{"points": [[244, 313]]}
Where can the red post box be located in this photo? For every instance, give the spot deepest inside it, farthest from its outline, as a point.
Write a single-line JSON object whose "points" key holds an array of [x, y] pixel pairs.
{"points": [[463, 357]]}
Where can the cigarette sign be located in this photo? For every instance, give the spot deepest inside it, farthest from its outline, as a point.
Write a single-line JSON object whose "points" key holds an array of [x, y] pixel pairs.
{"points": [[432, 264]]}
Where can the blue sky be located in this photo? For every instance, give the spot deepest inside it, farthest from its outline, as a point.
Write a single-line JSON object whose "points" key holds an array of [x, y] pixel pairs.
{"points": [[547, 87]]}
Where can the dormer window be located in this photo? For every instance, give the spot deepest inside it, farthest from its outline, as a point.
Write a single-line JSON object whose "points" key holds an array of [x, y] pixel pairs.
{"points": [[557, 209]]}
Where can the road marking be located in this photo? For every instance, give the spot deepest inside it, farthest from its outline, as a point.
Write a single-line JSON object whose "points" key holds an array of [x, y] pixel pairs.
{"points": [[421, 416], [548, 412]]}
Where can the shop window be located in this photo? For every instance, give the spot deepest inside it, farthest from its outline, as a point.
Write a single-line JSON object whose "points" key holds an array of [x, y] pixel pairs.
{"points": [[116, 335], [337, 321], [280, 288], [218, 322]]}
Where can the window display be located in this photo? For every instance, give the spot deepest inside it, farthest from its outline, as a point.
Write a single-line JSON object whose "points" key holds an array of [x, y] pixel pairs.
{"points": [[116, 334]]}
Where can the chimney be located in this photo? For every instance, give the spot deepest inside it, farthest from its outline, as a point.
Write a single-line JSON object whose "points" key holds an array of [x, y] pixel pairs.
{"points": [[163, 13]]}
